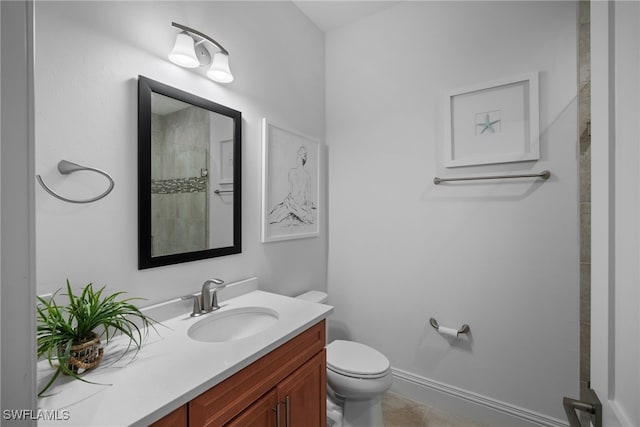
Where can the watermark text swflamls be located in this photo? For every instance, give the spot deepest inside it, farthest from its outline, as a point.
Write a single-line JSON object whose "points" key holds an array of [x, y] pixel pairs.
{"points": [[36, 415]]}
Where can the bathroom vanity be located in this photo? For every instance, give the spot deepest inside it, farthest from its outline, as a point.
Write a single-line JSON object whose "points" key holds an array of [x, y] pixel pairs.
{"points": [[273, 377], [287, 387]]}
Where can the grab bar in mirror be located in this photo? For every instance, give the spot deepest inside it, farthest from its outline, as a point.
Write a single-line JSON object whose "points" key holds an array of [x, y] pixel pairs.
{"points": [[545, 174], [223, 191], [65, 168]]}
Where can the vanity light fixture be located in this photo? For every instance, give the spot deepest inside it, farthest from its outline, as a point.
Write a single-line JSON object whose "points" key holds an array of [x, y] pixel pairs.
{"points": [[189, 51]]}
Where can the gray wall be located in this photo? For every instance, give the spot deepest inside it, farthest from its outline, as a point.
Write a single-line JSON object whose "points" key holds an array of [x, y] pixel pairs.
{"points": [[86, 111], [500, 256]]}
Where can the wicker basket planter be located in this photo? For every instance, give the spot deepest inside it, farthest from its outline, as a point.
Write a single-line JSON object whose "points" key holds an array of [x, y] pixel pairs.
{"points": [[86, 354]]}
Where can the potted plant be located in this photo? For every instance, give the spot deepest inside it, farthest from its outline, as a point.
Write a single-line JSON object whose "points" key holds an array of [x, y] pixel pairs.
{"points": [[71, 333]]}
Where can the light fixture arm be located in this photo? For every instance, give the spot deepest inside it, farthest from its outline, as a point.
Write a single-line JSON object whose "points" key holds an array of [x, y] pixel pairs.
{"points": [[202, 36]]}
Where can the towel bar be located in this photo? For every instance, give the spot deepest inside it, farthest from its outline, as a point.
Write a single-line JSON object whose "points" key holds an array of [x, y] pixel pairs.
{"points": [[545, 174]]}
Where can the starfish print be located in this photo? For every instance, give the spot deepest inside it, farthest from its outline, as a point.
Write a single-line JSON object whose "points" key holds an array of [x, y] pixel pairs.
{"points": [[488, 124]]}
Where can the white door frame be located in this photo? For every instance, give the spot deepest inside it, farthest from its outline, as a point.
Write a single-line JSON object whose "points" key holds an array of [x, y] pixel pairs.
{"points": [[615, 213], [17, 283]]}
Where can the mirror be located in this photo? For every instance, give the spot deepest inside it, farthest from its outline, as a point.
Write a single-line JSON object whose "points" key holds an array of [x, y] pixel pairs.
{"points": [[188, 176]]}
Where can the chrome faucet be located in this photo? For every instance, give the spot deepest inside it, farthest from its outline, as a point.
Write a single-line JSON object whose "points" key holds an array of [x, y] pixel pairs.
{"points": [[208, 296], [208, 300]]}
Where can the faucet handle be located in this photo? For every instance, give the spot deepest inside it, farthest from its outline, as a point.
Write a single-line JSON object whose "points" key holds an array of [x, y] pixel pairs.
{"points": [[196, 311], [214, 295]]}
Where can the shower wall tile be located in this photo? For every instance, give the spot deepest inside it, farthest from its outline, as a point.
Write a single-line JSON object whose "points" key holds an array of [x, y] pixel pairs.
{"points": [[584, 150], [182, 150], [585, 233], [585, 168], [585, 293]]}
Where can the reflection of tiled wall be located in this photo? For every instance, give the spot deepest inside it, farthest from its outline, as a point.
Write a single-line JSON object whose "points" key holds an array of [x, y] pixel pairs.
{"points": [[584, 118], [192, 184], [180, 150]]}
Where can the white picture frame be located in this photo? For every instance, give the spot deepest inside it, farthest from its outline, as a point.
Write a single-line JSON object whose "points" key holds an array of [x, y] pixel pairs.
{"points": [[290, 184], [493, 122]]}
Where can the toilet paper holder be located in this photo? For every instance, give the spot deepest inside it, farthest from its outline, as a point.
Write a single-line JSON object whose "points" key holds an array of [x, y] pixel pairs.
{"points": [[462, 330]]}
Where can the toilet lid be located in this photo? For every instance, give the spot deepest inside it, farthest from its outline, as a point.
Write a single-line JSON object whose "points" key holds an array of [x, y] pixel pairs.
{"points": [[356, 360]]}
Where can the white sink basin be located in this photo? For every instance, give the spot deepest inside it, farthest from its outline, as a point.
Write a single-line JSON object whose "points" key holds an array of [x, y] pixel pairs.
{"points": [[233, 324]]}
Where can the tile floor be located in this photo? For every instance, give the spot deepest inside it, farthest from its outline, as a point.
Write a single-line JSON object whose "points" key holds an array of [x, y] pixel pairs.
{"points": [[399, 411]]}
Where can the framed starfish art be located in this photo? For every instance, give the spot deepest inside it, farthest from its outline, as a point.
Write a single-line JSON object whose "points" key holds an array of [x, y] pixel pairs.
{"points": [[493, 122]]}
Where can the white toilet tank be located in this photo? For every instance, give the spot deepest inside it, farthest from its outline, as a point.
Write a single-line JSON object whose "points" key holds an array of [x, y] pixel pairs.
{"points": [[314, 296]]}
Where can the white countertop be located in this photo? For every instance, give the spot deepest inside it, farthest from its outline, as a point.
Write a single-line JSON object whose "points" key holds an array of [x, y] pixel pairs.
{"points": [[170, 369]]}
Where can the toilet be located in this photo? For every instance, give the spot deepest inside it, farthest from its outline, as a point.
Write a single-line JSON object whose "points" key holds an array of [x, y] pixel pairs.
{"points": [[357, 376]]}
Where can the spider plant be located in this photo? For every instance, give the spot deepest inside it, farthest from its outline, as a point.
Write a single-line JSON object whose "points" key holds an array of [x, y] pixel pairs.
{"points": [[91, 312]]}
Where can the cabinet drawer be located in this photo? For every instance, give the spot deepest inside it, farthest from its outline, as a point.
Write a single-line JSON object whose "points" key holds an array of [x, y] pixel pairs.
{"points": [[221, 403], [177, 418]]}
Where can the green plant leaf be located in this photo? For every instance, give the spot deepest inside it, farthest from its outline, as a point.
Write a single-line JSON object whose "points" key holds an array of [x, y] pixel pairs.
{"points": [[60, 327]]}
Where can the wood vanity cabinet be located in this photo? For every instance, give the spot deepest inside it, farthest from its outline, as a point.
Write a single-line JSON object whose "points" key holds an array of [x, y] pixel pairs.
{"points": [[177, 418], [288, 386], [260, 414]]}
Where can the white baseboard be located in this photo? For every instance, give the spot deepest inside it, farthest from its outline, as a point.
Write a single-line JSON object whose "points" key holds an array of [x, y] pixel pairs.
{"points": [[466, 404]]}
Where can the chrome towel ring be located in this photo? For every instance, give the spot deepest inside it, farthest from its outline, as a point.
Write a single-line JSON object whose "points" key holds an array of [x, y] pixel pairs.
{"points": [[65, 168]]}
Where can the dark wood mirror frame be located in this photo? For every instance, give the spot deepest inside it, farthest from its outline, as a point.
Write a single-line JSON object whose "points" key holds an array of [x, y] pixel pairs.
{"points": [[146, 87]]}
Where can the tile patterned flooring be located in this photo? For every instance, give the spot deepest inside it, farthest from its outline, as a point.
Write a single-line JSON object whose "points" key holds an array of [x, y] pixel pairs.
{"points": [[399, 411]]}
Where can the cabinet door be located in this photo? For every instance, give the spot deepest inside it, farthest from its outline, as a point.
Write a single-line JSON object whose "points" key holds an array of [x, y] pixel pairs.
{"points": [[224, 402], [303, 395], [261, 414]]}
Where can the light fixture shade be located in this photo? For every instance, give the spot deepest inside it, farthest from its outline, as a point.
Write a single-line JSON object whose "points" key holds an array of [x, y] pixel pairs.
{"points": [[183, 53], [219, 71]]}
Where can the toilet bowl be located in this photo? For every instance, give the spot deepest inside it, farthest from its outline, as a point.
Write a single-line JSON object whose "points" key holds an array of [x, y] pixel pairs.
{"points": [[357, 376]]}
